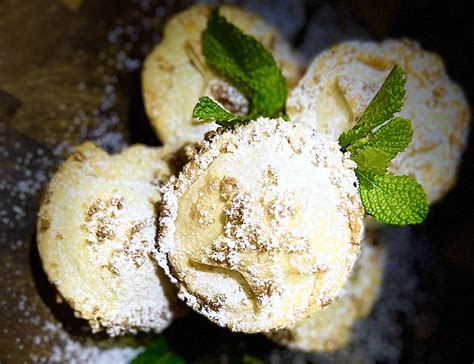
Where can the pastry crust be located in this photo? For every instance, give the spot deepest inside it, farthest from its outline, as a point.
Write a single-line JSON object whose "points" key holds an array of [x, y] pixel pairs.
{"points": [[175, 73], [262, 227], [96, 227], [341, 81], [330, 329]]}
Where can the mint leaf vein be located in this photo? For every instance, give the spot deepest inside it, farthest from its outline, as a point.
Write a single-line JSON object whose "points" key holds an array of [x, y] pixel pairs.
{"points": [[395, 200]]}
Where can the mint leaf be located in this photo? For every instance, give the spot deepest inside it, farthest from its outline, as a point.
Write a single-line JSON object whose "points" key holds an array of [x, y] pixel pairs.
{"points": [[374, 153], [246, 64], [208, 109], [372, 160], [394, 200], [393, 137], [248, 359], [387, 102], [158, 352]]}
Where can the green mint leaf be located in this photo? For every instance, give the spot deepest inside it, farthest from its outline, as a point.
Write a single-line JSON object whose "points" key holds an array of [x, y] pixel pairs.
{"points": [[394, 200], [393, 137], [246, 63], [372, 160], [158, 352], [387, 102], [208, 109], [248, 359], [373, 153]]}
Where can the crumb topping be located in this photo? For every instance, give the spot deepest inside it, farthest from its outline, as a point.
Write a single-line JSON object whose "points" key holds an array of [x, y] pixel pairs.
{"points": [[102, 219], [247, 208], [102, 227]]}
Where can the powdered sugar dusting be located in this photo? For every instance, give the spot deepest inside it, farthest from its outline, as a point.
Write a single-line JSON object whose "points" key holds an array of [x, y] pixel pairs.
{"points": [[262, 240], [330, 329], [96, 229]]}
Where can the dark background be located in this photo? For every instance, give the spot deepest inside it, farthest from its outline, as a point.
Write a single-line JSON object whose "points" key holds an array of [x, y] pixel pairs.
{"points": [[70, 73], [446, 28]]}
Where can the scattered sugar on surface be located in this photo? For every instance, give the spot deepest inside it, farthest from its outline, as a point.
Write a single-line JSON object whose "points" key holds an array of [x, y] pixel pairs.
{"points": [[68, 349], [21, 180], [129, 39], [27, 166]]}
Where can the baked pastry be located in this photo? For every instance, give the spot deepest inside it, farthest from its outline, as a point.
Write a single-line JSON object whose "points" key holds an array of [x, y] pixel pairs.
{"points": [[330, 329], [341, 81], [175, 73], [263, 225], [96, 227]]}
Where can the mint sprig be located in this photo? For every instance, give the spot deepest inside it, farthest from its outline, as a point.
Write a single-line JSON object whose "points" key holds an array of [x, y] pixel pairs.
{"points": [[158, 352], [248, 359], [395, 200], [246, 64]]}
